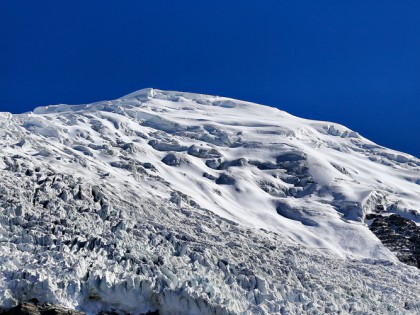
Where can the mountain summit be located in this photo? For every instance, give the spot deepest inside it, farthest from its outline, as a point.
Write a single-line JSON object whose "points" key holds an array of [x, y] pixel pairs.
{"points": [[195, 204]]}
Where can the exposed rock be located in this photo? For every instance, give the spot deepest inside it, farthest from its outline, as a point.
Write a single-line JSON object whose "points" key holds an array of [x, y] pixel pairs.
{"points": [[399, 234], [23, 309], [44, 309], [51, 309]]}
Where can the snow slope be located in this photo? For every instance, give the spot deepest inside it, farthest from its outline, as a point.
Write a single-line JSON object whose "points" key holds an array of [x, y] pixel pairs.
{"points": [[197, 204]]}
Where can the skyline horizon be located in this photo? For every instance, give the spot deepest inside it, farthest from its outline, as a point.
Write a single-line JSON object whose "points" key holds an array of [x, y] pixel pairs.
{"points": [[202, 93], [356, 64]]}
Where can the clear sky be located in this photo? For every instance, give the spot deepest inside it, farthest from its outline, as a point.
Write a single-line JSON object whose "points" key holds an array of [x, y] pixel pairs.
{"points": [[352, 62]]}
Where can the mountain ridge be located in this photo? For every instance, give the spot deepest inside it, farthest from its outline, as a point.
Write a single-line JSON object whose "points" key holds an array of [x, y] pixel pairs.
{"points": [[198, 197]]}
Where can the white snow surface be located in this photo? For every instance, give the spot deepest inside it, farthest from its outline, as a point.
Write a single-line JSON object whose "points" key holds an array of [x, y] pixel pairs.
{"points": [[198, 204]]}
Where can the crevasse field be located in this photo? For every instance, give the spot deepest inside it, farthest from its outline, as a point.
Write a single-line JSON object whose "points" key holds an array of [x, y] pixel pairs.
{"points": [[196, 204]]}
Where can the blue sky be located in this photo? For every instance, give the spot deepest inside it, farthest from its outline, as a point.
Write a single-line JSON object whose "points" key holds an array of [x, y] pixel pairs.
{"points": [[352, 62]]}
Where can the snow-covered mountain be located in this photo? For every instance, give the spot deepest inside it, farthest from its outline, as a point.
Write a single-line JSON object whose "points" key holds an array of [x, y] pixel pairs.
{"points": [[196, 204]]}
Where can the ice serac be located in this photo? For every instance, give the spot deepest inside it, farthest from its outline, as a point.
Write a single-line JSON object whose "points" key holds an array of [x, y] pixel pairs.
{"points": [[187, 203]]}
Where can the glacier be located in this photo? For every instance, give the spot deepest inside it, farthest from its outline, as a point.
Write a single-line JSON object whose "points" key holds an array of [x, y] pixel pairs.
{"points": [[196, 204]]}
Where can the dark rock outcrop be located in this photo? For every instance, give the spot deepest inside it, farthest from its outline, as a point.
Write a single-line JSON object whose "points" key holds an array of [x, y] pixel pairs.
{"points": [[50, 309], [44, 309], [398, 234]]}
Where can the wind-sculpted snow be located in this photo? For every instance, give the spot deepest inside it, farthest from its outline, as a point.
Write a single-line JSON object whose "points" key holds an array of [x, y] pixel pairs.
{"points": [[195, 204]]}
